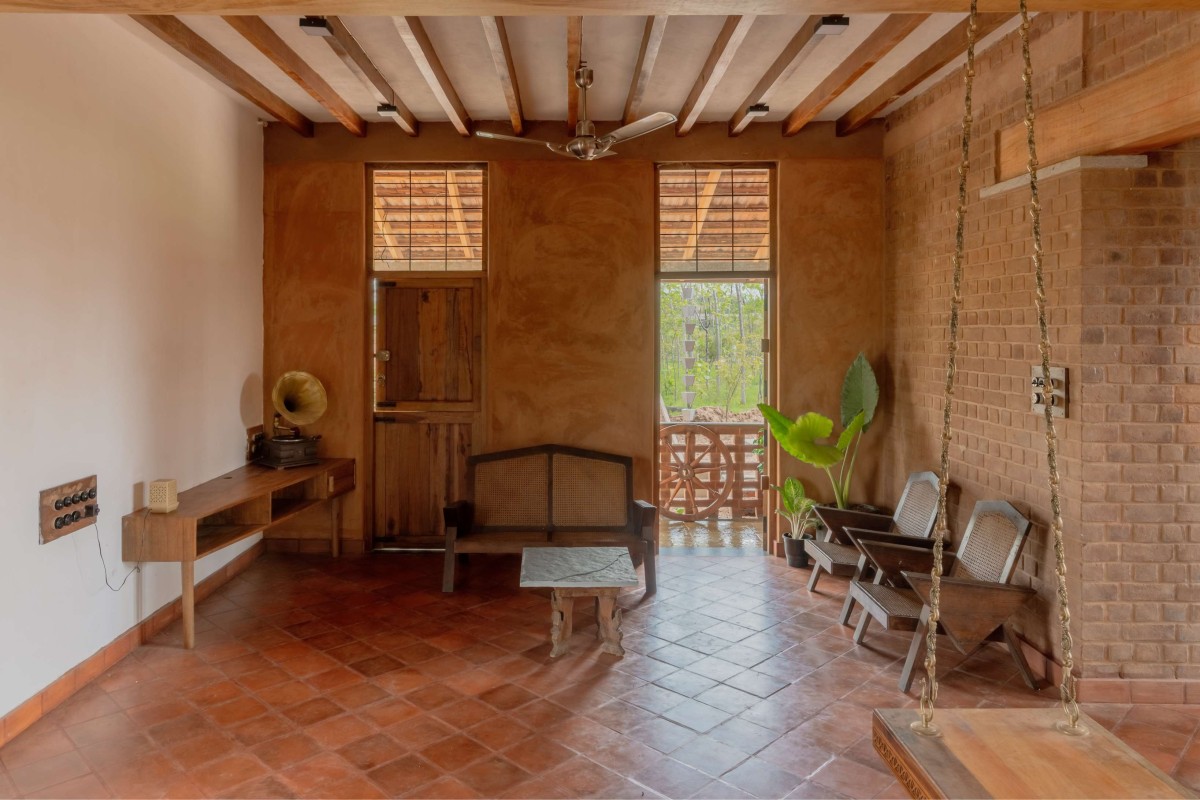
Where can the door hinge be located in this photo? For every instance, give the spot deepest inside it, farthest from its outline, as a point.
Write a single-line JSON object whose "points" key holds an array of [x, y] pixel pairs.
{"points": [[385, 284], [385, 404], [766, 345], [383, 355]]}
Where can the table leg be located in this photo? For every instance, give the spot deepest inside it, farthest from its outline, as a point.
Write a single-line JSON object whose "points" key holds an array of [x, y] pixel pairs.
{"points": [[335, 525], [188, 571], [610, 625], [562, 611]]}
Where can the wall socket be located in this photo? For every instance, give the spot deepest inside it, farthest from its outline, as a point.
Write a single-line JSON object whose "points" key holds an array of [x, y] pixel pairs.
{"points": [[67, 508], [1054, 395]]}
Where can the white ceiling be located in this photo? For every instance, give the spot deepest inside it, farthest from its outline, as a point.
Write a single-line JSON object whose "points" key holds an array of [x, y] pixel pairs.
{"points": [[539, 49]]}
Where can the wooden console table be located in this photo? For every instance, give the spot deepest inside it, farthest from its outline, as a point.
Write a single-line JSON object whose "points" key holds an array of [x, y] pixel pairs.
{"points": [[226, 510]]}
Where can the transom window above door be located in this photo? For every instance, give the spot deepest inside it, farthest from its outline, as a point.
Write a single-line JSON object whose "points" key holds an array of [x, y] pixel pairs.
{"points": [[428, 218], [714, 218]]}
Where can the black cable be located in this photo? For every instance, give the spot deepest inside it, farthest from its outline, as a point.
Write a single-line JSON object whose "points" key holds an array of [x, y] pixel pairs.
{"points": [[136, 568]]}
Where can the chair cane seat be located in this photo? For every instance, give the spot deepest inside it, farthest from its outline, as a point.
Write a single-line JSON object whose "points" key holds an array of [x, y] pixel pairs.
{"points": [[895, 603], [832, 554]]}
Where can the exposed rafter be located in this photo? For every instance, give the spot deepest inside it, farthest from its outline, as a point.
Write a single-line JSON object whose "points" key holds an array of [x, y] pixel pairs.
{"points": [[652, 38], [347, 48], [574, 57], [268, 42], [497, 39], [418, 44], [212, 61], [890, 33], [801, 45], [937, 55], [719, 58]]}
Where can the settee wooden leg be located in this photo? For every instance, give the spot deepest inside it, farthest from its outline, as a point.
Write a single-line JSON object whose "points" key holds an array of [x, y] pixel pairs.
{"points": [[651, 569], [448, 571]]}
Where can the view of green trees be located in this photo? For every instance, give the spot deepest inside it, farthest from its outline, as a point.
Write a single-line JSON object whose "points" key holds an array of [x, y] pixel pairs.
{"points": [[729, 328]]}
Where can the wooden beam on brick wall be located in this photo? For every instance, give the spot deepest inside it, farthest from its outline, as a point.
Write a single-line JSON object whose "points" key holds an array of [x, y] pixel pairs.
{"points": [[188, 43], [497, 39], [269, 43], [937, 55], [574, 57], [1150, 108], [421, 49], [347, 48], [801, 45], [719, 58], [890, 33], [652, 38]]}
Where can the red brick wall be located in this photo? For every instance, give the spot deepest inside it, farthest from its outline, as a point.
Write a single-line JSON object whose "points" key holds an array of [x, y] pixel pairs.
{"points": [[1117, 267]]}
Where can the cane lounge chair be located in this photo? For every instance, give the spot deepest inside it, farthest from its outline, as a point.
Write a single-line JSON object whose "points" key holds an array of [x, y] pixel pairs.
{"points": [[976, 600]]}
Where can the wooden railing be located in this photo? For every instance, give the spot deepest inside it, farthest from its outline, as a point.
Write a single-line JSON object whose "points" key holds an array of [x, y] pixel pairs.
{"points": [[706, 467]]}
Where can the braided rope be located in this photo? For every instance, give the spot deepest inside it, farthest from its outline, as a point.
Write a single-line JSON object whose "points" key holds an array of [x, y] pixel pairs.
{"points": [[929, 685], [1067, 687]]}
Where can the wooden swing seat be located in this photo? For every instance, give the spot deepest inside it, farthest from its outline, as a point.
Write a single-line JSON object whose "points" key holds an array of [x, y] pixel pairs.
{"points": [[1011, 753]]}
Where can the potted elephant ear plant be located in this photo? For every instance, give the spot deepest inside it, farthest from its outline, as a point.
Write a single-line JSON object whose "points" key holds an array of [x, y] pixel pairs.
{"points": [[798, 509]]}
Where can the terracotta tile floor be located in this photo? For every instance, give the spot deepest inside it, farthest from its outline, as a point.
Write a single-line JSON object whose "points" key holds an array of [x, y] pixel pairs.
{"points": [[315, 677]]}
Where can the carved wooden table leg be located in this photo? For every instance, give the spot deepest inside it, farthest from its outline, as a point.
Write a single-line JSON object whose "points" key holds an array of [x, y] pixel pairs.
{"points": [[562, 609], [608, 622]]}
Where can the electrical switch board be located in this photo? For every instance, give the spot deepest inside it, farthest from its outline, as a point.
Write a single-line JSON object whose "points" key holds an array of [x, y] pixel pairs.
{"points": [[1054, 395], [67, 508]]}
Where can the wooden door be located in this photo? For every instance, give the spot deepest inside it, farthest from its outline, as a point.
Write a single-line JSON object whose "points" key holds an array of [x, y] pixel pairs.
{"points": [[427, 395]]}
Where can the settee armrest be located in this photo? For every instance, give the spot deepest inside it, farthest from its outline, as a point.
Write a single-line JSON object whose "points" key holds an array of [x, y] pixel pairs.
{"points": [[644, 514], [458, 516]]}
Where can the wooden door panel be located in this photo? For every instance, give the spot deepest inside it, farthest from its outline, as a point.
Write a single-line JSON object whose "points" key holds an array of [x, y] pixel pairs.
{"points": [[430, 336], [419, 468]]}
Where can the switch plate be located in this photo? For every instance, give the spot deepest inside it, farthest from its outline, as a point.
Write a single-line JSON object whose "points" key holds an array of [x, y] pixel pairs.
{"points": [[1056, 393], [67, 508]]}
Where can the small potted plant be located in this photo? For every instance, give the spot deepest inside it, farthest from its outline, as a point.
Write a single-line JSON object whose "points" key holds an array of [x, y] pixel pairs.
{"points": [[798, 509]]}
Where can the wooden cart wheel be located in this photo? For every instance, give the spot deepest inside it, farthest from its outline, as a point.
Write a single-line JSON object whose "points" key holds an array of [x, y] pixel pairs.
{"points": [[695, 472]]}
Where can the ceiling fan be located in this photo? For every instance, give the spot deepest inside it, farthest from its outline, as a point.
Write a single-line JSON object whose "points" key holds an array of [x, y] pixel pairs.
{"points": [[587, 146]]}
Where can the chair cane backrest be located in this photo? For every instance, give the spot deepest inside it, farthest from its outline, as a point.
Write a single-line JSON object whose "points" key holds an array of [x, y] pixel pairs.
{"points": [[513, 492], [589, 492], [992, 543], [917, 511]]}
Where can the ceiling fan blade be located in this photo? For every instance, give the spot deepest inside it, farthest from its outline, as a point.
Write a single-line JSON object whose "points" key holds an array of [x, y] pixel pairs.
{"points": [[639, 127], [505, 138]]}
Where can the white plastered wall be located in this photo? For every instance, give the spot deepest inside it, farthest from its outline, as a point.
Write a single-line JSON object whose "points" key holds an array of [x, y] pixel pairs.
{"points": [[130, 313]]}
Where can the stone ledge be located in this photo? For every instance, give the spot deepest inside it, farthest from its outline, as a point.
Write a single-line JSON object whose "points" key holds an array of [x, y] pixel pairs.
{"points": [[1063, 167]]}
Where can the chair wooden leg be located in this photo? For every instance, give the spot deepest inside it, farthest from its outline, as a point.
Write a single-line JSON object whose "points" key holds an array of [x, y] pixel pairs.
{"points": [[860, 630], [918, 643], [848, 606], [816, 575], [1014, 647]]}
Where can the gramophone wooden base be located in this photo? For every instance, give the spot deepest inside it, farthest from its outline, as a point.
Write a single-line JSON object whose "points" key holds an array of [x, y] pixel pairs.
{"points": [[1014, 752]]}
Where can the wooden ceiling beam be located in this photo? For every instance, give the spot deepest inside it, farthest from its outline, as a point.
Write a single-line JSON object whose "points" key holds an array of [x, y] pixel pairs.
{"points": [[421, 48], [890, 33], [799, 48], [652, 38], [269, 43], [937, 55], [574, 58], [497, 39], [347, 48], [733, 32], [188, 43], [558, 8]]}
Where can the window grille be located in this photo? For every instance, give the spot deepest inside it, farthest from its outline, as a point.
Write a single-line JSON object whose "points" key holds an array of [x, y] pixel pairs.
{"points": [[427, 218], [714, 219]]}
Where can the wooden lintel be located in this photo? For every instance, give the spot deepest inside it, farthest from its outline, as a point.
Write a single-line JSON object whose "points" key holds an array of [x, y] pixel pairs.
{"points": [[733, 32], [890, 33], [268, 42], [497, 39], [347, 48], [1150, 108], [801, 45], [558, 8], [574, 57], [949, 47], [427, 61], [652, 38], [188, 43]]}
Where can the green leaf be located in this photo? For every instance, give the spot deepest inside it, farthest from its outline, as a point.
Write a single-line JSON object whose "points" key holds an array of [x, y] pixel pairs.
{"points": [[860, 392], [791, 495], [801, 441], [856, 425]]}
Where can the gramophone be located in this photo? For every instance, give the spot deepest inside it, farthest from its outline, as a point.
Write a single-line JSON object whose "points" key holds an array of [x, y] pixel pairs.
{"points": [[300, 399]]}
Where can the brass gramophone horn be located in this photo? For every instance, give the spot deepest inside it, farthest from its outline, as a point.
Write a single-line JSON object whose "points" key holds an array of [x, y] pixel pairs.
{"points": [[299, 398]]}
